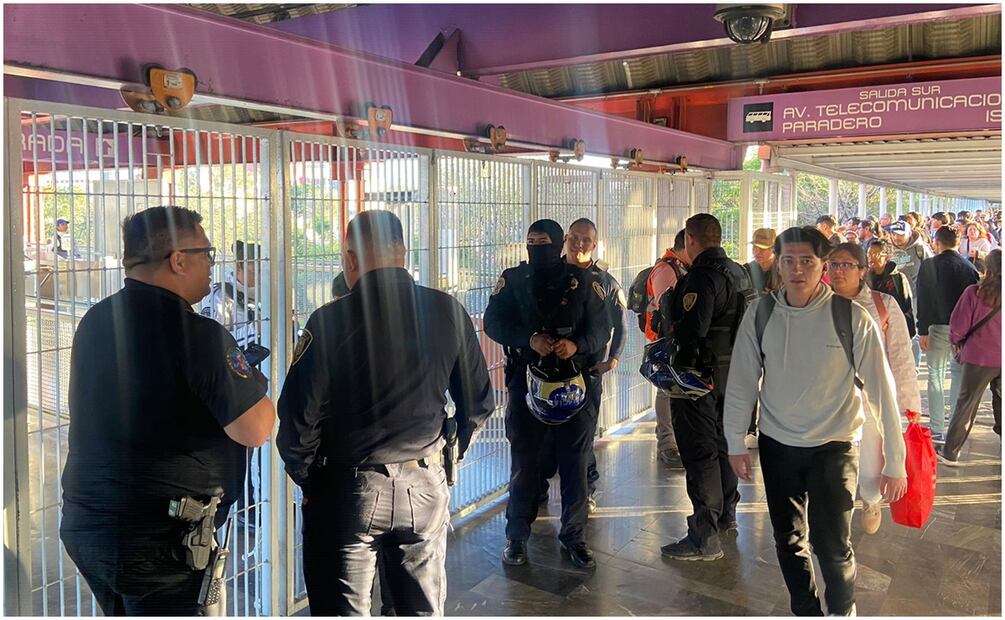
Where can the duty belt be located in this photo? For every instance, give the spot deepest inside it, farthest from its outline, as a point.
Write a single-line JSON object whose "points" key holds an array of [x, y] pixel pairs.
{"points": [[423, 463]]}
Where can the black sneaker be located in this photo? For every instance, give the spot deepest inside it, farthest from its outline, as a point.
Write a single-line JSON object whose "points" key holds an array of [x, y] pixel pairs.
{"points": [[728, 526], [580, 554], [515, 553], [684, 549]]}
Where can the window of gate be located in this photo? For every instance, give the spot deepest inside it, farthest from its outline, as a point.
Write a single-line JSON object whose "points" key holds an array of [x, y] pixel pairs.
{"points": [[92, 168]]}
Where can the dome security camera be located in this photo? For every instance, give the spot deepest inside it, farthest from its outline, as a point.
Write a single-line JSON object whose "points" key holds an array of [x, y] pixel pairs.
{"points": [[749, 23]]}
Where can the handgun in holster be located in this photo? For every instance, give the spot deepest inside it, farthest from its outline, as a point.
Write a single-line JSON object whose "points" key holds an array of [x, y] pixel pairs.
{"points": [[450, 450], [199, 539]]}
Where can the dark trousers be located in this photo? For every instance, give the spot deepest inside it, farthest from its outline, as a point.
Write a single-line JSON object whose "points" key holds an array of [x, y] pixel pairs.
{"points": [[973, 381], [573, 446], [352, 516], [549, 464], [137, 577], [710, 481], [813, 489]]}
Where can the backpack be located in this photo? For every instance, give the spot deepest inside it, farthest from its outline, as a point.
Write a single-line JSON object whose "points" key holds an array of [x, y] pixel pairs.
{"points": [[840, 313], [639, 300]]}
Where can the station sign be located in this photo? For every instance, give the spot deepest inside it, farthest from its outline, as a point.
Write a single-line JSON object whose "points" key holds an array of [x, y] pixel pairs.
{"points": [[894, 109]]}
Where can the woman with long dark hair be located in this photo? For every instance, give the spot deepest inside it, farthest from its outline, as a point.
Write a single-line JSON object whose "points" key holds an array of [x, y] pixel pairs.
{"points": [[976, 329]]}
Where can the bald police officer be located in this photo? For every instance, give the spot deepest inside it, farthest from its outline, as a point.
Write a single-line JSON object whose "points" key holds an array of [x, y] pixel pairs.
{"points": [[547, 307], [162, 407], [361, 419]]}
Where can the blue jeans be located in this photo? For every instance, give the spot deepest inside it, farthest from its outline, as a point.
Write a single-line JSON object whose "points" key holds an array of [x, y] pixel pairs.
{"points": [[939, 355]]}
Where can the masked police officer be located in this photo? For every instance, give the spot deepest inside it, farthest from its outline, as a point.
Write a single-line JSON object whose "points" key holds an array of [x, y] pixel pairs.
{"points": [[362, 416], [580, 242], [162, 407], [547, 310], [705, 311], [232, 302]]}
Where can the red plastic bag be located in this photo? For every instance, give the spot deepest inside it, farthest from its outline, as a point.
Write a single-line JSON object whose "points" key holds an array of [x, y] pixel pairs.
{"points": [[914, 508]]}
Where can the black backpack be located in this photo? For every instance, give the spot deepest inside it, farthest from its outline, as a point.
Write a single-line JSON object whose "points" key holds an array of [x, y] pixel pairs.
{"points": [[638, 294], [840, 313]]}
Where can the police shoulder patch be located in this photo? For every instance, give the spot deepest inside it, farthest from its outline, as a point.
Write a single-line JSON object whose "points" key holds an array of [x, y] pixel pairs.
{"points": [[621, 298], [573, 283], [689, 300], [237, 363], [302, 343], [599, 290], [602, 265], [500, 285]]}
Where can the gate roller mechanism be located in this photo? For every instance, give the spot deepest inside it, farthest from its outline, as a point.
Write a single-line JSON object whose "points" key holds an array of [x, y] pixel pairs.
{"points": [[682, 162], [496, 135], [578, 149], [379, 120], [168, 91]]}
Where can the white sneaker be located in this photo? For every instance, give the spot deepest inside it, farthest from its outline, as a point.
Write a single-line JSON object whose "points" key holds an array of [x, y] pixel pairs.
{"points": [[872, 517]]}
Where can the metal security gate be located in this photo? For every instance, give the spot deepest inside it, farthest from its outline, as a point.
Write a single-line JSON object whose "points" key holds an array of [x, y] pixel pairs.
{"points": [[745, 201], [483, 208], [92, 168], [627, 213]]}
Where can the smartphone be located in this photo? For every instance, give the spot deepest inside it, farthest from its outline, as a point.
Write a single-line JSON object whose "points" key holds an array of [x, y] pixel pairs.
{"points": [[256, 353]]}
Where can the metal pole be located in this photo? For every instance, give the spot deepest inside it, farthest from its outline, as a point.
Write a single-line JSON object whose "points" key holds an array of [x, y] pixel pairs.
{"points": [[900, 203], [16, 495], [861, 200], [882, 201], [832, 197]]}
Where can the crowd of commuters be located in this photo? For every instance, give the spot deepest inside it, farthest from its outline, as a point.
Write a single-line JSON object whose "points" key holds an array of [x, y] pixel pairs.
{"points": [[843, 309]]}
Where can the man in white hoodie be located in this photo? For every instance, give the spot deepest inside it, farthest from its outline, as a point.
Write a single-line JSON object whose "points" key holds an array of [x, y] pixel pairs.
{"points": [[811, 421]]}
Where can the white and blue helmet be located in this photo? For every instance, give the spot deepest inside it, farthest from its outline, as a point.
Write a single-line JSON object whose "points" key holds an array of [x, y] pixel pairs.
{"points": [[556, 391]]}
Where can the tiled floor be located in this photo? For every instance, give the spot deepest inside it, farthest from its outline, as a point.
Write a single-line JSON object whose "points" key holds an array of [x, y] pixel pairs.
{"points": [[951, 567]]}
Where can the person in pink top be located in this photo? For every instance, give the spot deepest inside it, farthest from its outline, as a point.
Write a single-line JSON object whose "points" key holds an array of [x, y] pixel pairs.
{"points": [[976, 328]]}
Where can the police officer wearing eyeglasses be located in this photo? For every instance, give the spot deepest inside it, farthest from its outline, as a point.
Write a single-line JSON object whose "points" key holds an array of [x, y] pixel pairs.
{"points": [[705, 312], [163, 406], [550, 318], [362, 416]]}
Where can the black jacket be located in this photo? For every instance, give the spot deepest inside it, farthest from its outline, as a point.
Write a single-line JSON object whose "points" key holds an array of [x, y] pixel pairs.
{"points": [[895, 284], [514, 314], [370, 375], [941, 281], [707, 304]]}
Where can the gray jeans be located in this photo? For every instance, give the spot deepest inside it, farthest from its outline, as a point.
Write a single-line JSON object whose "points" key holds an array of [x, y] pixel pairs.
{"points": [[975, 380], [350, 517], [665, 439]]}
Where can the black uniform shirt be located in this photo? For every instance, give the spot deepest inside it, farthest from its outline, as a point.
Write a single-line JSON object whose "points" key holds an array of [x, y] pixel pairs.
{"points": [[152, 384], [513, 315], [370, 375], [703, 305], [617, 311]]}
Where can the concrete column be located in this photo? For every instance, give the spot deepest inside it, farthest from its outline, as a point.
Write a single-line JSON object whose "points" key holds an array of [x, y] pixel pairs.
{"points": [[900, 203], [861, 200], [832, 197], [882, 201]]}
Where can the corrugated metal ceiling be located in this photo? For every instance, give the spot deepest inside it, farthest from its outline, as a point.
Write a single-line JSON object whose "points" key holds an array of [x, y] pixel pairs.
{"points": [[975, 36], [265, 13]]}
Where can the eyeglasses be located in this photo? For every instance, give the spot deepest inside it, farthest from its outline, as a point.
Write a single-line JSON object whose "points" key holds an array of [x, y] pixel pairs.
{"points": [[209, 251], [843, 266]]}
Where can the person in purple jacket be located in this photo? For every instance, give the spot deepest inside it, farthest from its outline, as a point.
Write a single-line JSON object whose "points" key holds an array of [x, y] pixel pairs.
{"points": [[976, 327]]}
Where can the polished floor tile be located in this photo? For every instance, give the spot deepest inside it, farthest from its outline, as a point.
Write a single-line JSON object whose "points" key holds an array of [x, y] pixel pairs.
{"points": [[950, 567]]}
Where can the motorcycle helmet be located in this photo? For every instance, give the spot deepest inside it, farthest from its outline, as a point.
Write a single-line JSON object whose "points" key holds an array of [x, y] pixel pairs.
{"points": [[556, 390], [658, 367]]}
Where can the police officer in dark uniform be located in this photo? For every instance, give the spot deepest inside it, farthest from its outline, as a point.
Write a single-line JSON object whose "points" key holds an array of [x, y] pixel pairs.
{"points": [[362, 416], [163, 406], [542, 308], [705, 311], [580, 242]]}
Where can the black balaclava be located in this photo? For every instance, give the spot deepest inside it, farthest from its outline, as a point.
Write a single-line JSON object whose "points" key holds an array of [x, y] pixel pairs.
{"points": [[546, 257]]}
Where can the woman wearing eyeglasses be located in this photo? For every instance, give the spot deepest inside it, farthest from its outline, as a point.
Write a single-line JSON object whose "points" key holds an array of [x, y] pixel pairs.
{"points": [[848, 268]]}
